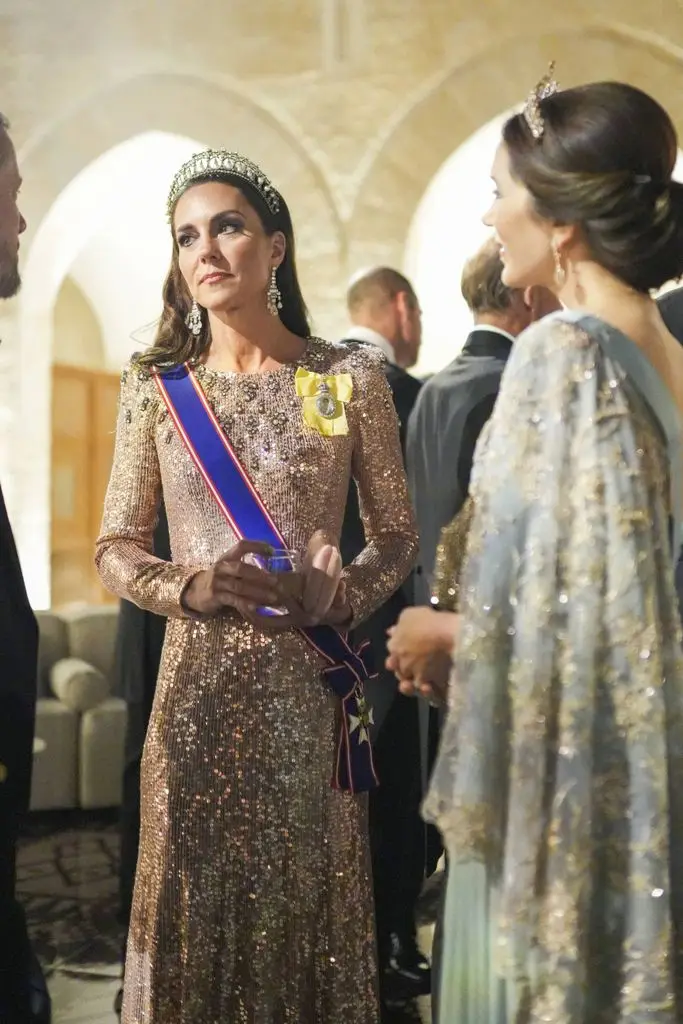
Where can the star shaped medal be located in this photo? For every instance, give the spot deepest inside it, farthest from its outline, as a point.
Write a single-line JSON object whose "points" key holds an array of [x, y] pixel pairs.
{"points": [[362, 720]]}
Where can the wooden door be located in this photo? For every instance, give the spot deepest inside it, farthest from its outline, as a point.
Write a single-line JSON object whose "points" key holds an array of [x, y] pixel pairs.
{"points": [[84, 406]]}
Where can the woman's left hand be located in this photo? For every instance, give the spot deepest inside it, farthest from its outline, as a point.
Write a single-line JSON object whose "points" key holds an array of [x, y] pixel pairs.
{"points": [[340, 613], [322, 575], [322, 599]]}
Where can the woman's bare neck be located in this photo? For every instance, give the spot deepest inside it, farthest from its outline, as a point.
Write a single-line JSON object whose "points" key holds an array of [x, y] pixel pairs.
{"points": [[635, 314], [250, 346]]}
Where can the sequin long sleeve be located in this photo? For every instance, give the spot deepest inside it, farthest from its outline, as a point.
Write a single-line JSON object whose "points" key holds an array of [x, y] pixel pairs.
{"points": [[124, 556], [385, 507]]}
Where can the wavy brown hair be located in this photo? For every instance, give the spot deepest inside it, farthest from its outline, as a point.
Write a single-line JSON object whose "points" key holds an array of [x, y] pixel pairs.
{"points": [[174, 344], [604, 163]]}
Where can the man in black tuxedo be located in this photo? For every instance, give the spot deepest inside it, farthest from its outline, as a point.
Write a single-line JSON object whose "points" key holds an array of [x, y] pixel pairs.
{"points": [[384, 312], [449, 415], [23, 996], [455, 403], [671, 308]]}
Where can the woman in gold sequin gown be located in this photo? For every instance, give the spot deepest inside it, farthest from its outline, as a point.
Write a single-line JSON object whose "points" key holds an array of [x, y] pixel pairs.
{"points": [[253, 899], [559, 781]]}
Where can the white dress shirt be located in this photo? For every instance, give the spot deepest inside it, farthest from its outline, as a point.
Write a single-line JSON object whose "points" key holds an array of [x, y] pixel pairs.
{"points": [[370, 337], [492, 330]]}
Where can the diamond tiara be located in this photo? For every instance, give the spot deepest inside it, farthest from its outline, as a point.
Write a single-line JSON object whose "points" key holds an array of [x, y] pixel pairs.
{"points": [[532, 108], [214, 163]]}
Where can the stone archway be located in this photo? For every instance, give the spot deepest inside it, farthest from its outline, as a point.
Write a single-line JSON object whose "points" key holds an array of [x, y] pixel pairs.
{"points": [[176, 105], [489, 81]]}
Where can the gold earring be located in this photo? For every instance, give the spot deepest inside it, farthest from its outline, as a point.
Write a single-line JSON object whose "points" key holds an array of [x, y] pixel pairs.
{"points": [[560, 272]]}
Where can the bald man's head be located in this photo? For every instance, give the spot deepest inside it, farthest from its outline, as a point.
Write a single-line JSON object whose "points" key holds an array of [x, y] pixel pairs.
{"points": [[12, 224], [384, 300]]}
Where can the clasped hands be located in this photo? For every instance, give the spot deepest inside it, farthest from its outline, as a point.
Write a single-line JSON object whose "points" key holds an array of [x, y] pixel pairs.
{"points": [[314, 596], [420, 647]]}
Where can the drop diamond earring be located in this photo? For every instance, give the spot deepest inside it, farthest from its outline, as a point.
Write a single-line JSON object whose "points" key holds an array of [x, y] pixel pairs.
{"points": [[193, 320], [274, 300]]}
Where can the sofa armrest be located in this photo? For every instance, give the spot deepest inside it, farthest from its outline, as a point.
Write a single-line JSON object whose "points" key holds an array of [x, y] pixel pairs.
{"points": [[78, 685]]}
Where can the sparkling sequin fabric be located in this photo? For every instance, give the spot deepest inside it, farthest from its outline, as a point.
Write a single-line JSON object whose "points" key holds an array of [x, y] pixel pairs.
{"points": [[450, 555], [253, 900], [561, 764]]}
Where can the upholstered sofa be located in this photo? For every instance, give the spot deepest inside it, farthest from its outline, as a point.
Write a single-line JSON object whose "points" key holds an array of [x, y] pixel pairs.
{"points": [[81, 723]]}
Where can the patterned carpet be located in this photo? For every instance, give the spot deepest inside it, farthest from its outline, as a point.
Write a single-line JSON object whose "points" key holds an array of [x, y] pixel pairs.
{"points": [[68, 885]]}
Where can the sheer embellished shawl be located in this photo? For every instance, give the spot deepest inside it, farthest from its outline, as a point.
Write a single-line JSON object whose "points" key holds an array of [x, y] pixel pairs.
{"points": [[561, 762]]}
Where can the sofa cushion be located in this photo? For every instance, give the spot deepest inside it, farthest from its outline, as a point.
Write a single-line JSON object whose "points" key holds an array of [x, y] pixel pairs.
{"points": [[78, 685], [53, 644], [55, 770], [92, 636], [102, 748]]}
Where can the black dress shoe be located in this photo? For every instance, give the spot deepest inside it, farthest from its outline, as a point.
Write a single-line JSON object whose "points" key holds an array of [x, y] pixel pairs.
{"points": [[407, 1013], [406, 973], [118, 1003]]}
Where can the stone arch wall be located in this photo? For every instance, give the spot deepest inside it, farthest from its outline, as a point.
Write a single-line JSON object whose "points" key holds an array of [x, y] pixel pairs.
{"points": [[203, 108], [352, 129], [178, 105], [473, 93]]}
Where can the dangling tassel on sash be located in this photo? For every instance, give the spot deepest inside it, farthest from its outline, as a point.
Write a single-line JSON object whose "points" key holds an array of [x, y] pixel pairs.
{"points": [[347, 670]]}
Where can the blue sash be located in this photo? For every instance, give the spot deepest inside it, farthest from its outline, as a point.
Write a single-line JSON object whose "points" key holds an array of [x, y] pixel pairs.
{"points": [[240, 503]]}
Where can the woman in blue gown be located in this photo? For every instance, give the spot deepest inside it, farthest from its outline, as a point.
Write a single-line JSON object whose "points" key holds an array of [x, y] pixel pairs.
{"points": [[559, 783]]}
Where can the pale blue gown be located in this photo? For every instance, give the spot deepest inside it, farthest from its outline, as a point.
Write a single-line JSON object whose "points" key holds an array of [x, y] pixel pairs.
{"points": [[559, 782]]}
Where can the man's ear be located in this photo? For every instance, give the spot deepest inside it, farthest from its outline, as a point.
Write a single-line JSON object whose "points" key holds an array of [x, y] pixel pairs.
{"points": [[403, 303]]}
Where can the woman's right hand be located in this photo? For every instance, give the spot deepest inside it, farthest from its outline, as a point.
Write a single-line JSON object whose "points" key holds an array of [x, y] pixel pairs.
{"points": [[433, 682], [419, 633], [234, 583]]}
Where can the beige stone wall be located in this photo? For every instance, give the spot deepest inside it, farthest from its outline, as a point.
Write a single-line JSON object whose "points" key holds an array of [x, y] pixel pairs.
{"points": [[77, 332], [350, 105]]}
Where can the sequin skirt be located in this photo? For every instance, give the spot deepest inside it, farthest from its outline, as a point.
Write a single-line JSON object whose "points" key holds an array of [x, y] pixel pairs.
{"points": [[253, 897]]}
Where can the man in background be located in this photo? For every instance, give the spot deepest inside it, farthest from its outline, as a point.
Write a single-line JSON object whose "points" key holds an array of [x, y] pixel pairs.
{"points": [[671, 308], [455, 403], [449, 415], [384, 312], [23, 995]]}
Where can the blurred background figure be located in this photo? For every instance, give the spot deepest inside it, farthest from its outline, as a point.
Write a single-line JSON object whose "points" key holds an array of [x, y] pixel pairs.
{"points": [[671, 308], [23, 995], [385, 313], [456, 402]]}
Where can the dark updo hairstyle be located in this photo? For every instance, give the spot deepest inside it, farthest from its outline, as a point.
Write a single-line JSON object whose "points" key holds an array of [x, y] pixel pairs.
{"points": [[604, 162], [174, 343]]}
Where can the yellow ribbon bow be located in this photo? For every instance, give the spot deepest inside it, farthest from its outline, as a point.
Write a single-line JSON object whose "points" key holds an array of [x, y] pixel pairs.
{"points": [[324, 400]]}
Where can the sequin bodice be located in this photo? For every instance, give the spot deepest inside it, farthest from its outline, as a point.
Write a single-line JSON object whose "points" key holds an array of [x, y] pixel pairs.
{"points": [[302, 476]]}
